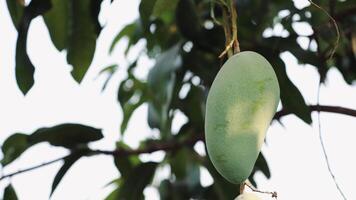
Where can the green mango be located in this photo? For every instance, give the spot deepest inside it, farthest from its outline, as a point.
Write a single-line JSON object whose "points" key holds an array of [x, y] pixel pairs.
{"points": [[240, 106], [247, 196]]}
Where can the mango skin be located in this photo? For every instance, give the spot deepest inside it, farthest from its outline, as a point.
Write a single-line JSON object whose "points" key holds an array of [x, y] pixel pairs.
{"points": [[240, 106], [247, 196]]}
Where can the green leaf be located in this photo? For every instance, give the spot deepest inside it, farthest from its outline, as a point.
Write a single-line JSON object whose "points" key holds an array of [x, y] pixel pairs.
{"points": [[292, 99], [132, 94], [262, 165], [9, 193], [66, 135], [221, 187], [146, 9], [164, 9], [125, 164], [113, 195], [137, 180], [16, 9], [160, 83], [24, 67], [13, 147], [68, 162], [187, 12], [57, 21], [111, 69], [185, 168], [132, 31], [193, 106], [82, 38]]}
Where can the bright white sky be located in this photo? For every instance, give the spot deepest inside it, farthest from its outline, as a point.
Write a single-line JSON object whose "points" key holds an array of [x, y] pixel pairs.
{"points": [[293, 151]]}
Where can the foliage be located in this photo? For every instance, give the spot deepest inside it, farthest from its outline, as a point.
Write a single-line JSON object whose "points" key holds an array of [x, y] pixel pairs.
{"points": [[185, 43]]}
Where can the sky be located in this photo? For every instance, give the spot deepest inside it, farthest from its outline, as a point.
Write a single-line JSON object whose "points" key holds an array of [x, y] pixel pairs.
{"points": [[293, 149]]}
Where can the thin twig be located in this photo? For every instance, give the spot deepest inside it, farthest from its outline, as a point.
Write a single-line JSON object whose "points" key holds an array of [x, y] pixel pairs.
{"points": [[324, 148], [33, 168], [336, 44], [227, 31], [227, 49], [322, 108], [236, 48], [274, 194]]}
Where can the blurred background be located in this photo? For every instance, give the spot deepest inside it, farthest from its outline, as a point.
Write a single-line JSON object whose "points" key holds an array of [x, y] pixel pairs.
{"points": [[144, 69]]}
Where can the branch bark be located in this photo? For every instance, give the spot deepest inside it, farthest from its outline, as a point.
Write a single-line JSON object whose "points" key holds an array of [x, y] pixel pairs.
{"points": [[175, 145]]}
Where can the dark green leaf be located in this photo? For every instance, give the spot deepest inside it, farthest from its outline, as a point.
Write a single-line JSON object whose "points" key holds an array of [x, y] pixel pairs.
{"points": [[58, 21], [24, 67], [113, 195], [193, 106], [261, 164], [146, 9], [185, 168], [221, 187], [68, 162], [137, 180], [66, 135], [9, 193], [291, 98], [125, 164], [16, 8], [82, 40], [127, 31], [187, 12], [13, 147], [132, 94], [164, 9]]}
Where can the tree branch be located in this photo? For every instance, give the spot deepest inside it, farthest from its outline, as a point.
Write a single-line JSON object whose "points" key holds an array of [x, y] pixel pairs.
{"points": [[175, 145], [321, 108], [33, 168]]}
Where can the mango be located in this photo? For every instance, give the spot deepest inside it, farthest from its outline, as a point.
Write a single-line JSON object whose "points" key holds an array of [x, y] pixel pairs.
{"points": [[241, 103], [247, 196]]}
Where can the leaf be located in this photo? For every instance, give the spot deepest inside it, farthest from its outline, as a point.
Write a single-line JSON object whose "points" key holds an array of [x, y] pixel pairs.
{"points": [[193, 106], [9, 193], [13, 147], [125, 164], [16, 10], [68, 162], [292, 99], [221, 187], [111, 69], [66, 135], [82, 38], [185, 168], [57, 21], [132, 94], [160, 83], [113, 195], [136, 182], [134, 33], [261, 164], [146, 9], [24, 67], [165, 9], [187, 12]]}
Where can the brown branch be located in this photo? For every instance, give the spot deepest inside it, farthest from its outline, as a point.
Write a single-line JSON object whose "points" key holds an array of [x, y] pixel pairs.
{"points": [[33, 168], [321, 108], [174, 145]]}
